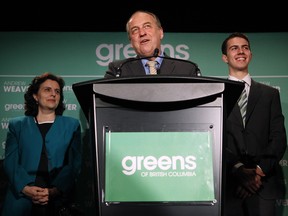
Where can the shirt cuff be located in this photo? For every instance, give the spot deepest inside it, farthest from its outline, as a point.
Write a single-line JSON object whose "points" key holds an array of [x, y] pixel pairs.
{"points": [[236, 166]]}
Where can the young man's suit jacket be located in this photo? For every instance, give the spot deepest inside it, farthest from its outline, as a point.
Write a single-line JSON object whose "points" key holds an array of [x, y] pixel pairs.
{"points": [[263, 140]]}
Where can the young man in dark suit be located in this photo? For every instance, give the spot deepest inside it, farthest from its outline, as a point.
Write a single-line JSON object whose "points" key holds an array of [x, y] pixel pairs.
{"points": [[254, 146]]}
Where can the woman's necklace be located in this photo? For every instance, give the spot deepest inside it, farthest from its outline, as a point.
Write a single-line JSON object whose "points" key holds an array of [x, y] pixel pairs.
{"points": [[42, 122]]}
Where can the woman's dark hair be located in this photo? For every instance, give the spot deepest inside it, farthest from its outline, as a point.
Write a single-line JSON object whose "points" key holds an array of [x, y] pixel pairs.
{"points": [[233, 35], [31, 106]]}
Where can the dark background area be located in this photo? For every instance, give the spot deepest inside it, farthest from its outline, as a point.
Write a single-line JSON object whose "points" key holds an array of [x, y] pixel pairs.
{"points": [[176, 16]]}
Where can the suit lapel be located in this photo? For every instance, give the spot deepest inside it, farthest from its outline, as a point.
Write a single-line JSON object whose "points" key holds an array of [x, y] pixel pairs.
{"points": [[254, 95], [237, 114], [167, 66], [136, 68]]}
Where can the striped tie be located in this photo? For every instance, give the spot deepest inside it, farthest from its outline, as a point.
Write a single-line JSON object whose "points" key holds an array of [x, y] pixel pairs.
{"points": [[152, 68], [243, 104]]}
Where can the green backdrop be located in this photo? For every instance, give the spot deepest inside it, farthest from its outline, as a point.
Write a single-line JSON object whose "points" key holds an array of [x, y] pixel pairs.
{"points": [[81, 56]]}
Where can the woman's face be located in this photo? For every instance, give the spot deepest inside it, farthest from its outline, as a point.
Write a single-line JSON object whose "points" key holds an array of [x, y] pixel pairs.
{"points": [[48, 95]]}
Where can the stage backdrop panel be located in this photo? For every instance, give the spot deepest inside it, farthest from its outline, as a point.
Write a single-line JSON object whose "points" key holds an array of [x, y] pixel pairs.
{"points": [[81, 56]]}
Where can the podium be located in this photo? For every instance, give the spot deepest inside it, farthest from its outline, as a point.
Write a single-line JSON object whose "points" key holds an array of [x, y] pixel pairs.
{"points": [[157, 143]]}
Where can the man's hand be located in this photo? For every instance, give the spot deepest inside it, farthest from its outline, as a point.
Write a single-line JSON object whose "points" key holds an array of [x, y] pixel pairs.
{"points": [[249, 181]]}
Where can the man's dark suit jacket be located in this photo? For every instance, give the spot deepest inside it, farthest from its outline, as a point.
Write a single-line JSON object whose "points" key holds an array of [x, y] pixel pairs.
{"points": [[262, 142], [169, 66]]}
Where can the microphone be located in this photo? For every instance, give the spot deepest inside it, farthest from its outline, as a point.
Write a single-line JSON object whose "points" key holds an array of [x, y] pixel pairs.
{"points": [[118, 72]]}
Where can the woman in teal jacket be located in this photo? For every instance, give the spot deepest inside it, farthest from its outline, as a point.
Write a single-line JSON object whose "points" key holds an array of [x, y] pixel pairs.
{"points": [[43, 152]]}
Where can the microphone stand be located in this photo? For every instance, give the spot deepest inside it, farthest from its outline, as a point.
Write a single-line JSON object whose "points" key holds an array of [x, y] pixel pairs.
{"points": [[155, 54], [118, 73]]}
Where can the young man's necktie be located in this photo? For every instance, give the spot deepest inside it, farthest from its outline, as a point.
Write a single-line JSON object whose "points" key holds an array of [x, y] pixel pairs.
{"points": [[243, 104]]}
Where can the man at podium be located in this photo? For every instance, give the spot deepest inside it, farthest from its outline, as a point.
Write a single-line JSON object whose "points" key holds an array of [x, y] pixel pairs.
{"points": [[145, 34]]}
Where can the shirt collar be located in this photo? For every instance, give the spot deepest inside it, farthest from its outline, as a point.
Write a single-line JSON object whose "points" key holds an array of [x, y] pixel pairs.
{"points": [[247, 79], [158, 60]]}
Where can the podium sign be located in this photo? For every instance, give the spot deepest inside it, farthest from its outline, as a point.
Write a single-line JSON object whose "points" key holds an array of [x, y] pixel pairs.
{"points": [[159, 167]]}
